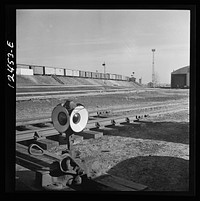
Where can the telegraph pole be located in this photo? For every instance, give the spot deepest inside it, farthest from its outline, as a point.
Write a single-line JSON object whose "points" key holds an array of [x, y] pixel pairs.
{"points": [[153, 70], [104, 65]]}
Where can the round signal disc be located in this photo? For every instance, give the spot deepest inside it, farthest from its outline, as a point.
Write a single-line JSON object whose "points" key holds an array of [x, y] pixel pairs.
{"points": [[78, 118], [60, 118]]}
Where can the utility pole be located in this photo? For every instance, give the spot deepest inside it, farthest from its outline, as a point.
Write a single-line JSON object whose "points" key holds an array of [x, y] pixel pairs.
{"points": [[153, 70], [104, 65]]}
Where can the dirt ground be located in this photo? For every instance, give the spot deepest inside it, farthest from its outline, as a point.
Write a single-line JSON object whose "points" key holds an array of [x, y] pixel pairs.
{"points": [[39, 108], [153, 152]]}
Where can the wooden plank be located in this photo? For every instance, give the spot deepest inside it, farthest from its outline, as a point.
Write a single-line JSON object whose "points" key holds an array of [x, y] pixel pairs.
{"points": [[46, 143], [105, 130], [45, 160], [45, 119], [108, 181], [87, 134], [36, 129], [75, 139], [25, 135], [125, 182], [120, 183], [30, 164]]}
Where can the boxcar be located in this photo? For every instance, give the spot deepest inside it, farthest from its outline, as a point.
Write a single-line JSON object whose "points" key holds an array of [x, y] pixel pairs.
{"points": [[101, 75], [112, 76], [60, 71], [38, 70], [119, 77], [98, 75], [75, 73], [88, 74], [123, 77], [49, 71], [95, 75], [82, 73], [115, 76], [68, 72], [24, 71], [107, 76]]}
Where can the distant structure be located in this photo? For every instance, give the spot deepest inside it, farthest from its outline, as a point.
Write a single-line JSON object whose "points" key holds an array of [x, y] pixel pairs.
{"points": [[132, 78], [181, 78], [150, 84], [140, 81], [153, 70]]}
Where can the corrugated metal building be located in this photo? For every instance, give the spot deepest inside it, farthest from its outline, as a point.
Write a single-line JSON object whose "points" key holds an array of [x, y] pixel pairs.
{"points": [[181, 78]]}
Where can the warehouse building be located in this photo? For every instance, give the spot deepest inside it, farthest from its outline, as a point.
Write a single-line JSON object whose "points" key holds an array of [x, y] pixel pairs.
{"points": [[181, 78]]}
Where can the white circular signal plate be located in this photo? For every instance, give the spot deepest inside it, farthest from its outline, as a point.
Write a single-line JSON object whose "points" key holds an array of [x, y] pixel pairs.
{"points": [[78, 118]]}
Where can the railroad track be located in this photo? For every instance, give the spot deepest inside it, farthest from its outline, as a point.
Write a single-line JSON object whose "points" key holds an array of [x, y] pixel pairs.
{"points": [[43, 135], [23, 96], [112, 111], [43, 127]]}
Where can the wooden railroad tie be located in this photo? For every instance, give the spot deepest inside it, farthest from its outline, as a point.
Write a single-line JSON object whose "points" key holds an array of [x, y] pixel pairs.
{"points": [[87, 134]]}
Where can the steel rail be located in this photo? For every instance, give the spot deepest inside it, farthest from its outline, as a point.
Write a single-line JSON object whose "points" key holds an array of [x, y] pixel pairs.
{"points": [[125, 118], [80, 93], [77, 91], [57, 86]]}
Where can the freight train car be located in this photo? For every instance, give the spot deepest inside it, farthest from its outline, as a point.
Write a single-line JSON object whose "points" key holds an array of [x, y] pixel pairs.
{"points": [[68, 72], [75, 73], [38, 70], [107, 76], [101, 75], [95, 75], [24, 71], [60, 71], [88, 74], [118, 77], [50, 71], [43, 70], [123, 77], [82, 73], [112, 76]]}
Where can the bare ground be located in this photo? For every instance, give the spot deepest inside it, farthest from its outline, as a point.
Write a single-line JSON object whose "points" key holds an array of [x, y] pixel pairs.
{"points": [[44, 107], [155, 154]]}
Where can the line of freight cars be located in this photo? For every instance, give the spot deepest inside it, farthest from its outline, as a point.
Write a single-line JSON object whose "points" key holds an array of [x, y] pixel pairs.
{"points": [[43, 70]]}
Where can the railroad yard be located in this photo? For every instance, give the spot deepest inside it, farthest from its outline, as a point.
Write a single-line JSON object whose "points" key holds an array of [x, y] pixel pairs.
{"points": [[153, 151], [103, 101]]}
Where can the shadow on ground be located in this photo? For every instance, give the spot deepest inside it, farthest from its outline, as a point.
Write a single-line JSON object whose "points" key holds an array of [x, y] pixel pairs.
{"points": [[177, 132], [159, 173]]}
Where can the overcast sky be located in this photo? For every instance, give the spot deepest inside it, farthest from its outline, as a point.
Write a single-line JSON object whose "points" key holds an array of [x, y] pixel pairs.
{"points": [[123, 39]]}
